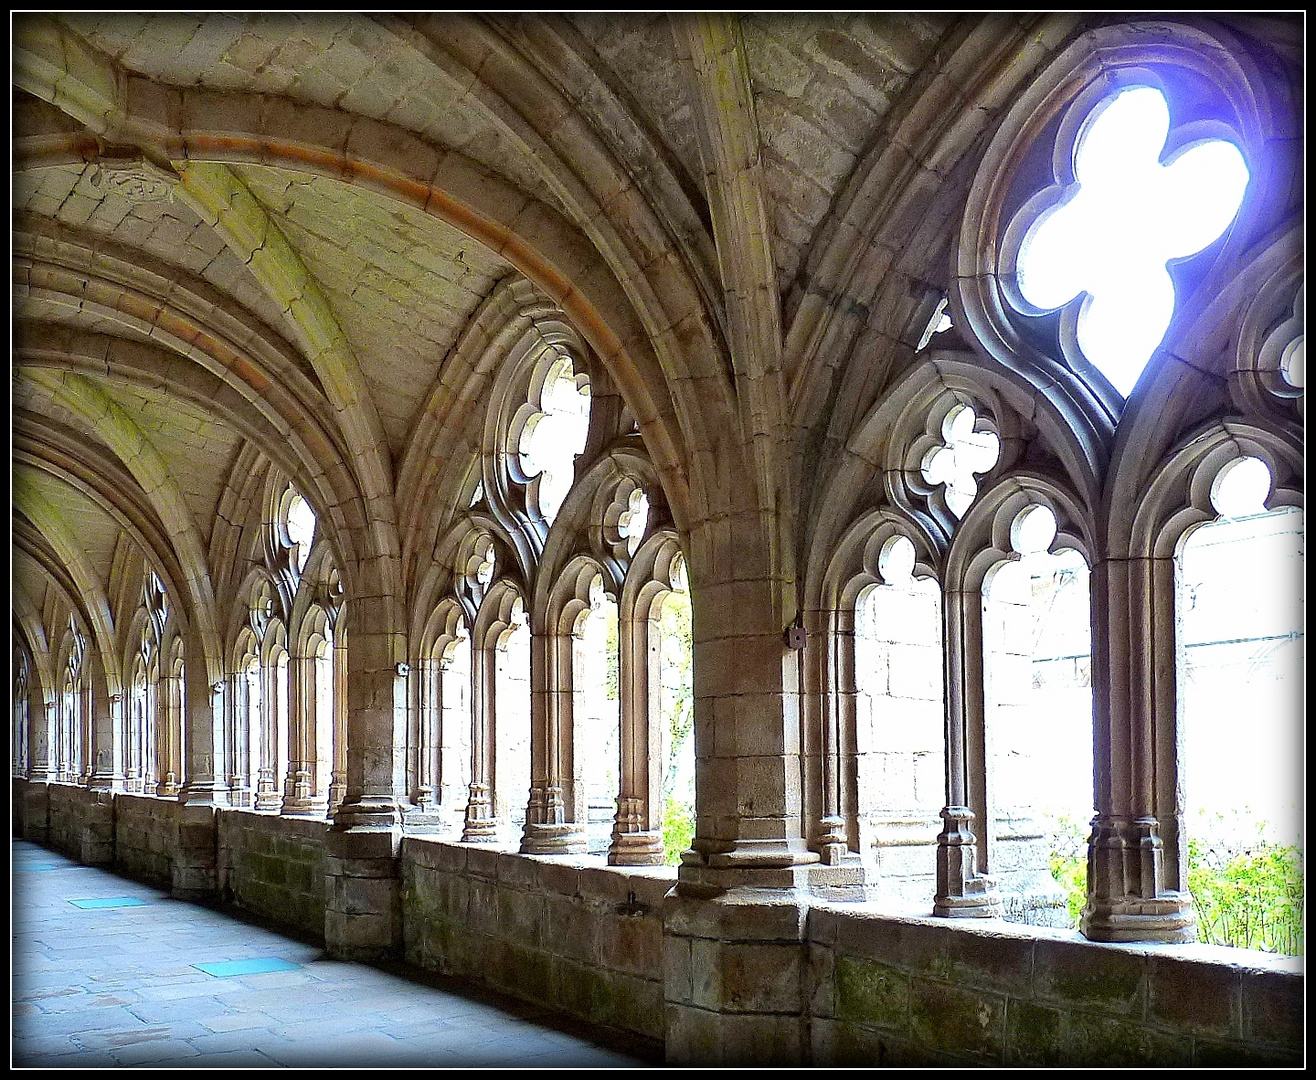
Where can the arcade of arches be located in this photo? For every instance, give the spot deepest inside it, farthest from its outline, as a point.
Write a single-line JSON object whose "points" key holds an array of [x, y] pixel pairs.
{"points": [[672, 517]]}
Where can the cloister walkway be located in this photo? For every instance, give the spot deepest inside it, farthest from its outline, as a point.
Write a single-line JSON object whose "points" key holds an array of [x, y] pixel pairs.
{"points": [[109, 972]]}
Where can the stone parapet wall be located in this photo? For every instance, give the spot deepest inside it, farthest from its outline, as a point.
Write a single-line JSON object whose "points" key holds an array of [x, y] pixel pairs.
{"points": [[145, 838], [274, 867], [565, 932], [772, 976], [900, 991]]}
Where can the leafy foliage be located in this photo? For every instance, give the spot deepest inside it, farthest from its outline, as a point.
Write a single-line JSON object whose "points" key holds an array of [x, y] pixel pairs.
{"points": [[1247, 896], [678, 828], [675, 643]]}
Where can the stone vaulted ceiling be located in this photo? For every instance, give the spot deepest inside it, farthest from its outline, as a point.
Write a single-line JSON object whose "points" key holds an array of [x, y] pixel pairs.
{"points": [[258, 237]]}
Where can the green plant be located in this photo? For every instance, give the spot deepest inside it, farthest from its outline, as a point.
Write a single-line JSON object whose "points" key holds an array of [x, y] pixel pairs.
{"points": [[1249, 897], [678, 828], [1069, 865]]}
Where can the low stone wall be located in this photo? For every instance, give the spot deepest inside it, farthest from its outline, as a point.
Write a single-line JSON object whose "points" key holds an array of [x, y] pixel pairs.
{"points": [[145, 838], [769, 977], [579, 937], [274, 867], [900, 991]]}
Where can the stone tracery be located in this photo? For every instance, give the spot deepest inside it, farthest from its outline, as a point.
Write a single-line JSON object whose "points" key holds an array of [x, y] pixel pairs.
{"points": [[760, 434]]}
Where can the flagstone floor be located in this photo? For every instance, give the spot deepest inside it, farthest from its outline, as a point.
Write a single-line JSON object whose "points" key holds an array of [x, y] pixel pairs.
{"points": [[108, 972]]}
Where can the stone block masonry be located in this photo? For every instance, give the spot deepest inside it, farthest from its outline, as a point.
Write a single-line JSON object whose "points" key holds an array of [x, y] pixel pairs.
{"points": [[737, 979]]}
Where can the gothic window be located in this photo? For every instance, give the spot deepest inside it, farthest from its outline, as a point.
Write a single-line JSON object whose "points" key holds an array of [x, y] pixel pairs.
{"points": [[446, 718], [1127, 206], [511, 715], [548, 434], [899, 725], [596, 712], [1240, 655], [676, 717], [18, 745], [73, 711], [1038, 715]]}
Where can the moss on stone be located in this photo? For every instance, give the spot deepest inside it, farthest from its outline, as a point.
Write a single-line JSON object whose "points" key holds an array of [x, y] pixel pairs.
{"points": [[871, 994]]}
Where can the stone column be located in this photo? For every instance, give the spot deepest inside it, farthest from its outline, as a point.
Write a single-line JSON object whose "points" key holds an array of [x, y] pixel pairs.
{"points": [[962, 890], [338, 785], [637, 835], [363, 913], [1134, 892], [734, 948], [105, 751], [204, 785], [555, 818], [170, 722], [42, 718], [481, 825], [298, 789], [830, 683]]}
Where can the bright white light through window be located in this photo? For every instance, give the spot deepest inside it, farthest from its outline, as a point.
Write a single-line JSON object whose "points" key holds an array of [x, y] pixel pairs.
{"points": [[965, 453], [301, 528], [1241, 488], [634, 520], [1114, 231], [1293, 363], [896, 562], [1033, 530], [555, 436]]}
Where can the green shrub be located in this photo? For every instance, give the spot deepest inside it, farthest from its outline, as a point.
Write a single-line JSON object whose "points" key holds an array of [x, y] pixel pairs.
{"points": [[1250, 898], [678, 829]]}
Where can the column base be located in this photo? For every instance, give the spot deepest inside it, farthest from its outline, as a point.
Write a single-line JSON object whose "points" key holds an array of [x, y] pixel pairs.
{"points": [[368, 812], [1167, 918], [563, 838], [480, 831], [980, 900], [637, 849]]}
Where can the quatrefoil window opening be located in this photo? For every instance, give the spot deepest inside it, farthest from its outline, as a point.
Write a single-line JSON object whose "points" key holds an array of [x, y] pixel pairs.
{"points": [[634, 520], [299, 522], [1111, 234], [554, 436], [963, 455]]}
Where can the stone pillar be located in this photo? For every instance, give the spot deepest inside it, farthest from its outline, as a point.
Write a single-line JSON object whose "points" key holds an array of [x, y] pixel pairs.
{"points": [[298, 787], [555, 824], [170, 722], [362, 913], [481, 826], [107, 740], [42, 718], [265, 789], [734, 944], [204, 787], [637, 835], [961, 889], [1134, 892]]}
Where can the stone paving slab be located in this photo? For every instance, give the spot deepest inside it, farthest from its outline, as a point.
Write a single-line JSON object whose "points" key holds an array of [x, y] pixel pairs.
{"points": [[121, 987]]}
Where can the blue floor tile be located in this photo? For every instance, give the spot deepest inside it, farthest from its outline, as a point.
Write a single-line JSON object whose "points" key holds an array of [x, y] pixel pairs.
{"points": [[109, 902], [259, 966]]}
